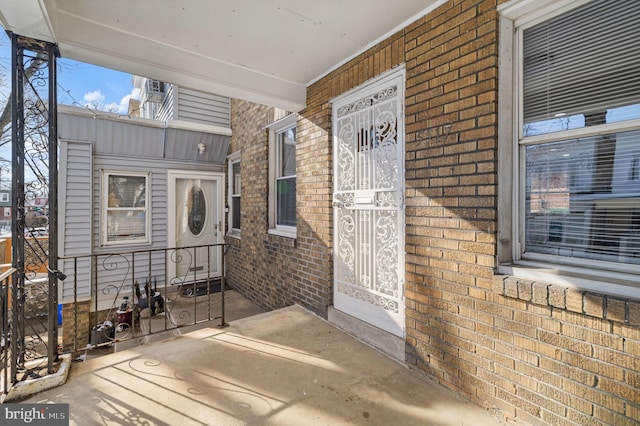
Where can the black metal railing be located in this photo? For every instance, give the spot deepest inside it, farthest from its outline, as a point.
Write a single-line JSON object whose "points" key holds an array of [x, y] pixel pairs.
{"points": [[113, 297], [29, 294], [6, 364], [26, 337]]}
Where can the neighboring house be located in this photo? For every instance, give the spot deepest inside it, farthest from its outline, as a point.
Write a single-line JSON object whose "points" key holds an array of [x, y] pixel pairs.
{"points": [[163, 101], [467, 198], [123, 182], [5, 209]]}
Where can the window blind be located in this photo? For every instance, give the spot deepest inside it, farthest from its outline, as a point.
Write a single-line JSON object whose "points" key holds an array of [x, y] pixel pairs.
{"points": [[582, 198], [584, 61]]}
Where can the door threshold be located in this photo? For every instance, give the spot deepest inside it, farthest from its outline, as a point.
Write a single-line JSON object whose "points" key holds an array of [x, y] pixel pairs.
{"points": [[387, 343]]}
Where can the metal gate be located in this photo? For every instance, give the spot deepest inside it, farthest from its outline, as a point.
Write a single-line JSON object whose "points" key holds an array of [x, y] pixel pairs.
{"points": [[368, 203], [29, 294]]}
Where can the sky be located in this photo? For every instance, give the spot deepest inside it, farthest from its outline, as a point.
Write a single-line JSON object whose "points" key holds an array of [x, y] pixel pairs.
{"points": [[81, 84], [84, 85]]}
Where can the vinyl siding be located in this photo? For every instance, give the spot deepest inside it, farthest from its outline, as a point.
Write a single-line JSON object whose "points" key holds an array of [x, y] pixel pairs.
{"points": [[165, 112], [203, 108], [75, 217], [122, 145], [120, 271], [141, 138]]}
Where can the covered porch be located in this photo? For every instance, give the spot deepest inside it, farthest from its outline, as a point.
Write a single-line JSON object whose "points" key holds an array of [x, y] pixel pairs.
{"points": [[282, 367], [300, 42]]}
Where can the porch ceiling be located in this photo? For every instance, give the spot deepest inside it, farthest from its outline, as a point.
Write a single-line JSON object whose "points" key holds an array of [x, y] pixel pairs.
{"points": [[265, 51]]}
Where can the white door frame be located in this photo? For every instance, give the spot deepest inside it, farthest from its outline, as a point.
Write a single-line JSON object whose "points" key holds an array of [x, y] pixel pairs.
{"points": [[219, 179]]}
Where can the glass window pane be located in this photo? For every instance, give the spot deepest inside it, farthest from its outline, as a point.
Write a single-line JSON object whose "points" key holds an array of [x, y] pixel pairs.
{"points": [[125, 225], [126, 216], [127, 191], [287, 142], [286, 208], [583, 198], [196, 210], [235, 212], [236, 178]]}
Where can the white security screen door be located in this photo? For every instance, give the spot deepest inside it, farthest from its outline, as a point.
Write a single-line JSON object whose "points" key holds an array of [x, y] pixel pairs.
{"points": [[368, 170], [195, 219]]}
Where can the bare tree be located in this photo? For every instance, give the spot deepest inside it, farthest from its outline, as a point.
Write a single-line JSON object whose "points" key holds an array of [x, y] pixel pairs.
{"points": [[5, 117]]}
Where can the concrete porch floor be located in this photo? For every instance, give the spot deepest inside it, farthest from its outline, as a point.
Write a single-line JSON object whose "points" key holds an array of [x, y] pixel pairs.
{"points": [[285, 367]]}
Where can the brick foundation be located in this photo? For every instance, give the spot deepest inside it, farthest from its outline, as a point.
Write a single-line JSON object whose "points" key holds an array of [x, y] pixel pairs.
{"points": [[76, 326]]}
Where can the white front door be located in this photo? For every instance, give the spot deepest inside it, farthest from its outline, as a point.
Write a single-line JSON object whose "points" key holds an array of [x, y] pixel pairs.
{"points": [[368, 152], [195, 221]]}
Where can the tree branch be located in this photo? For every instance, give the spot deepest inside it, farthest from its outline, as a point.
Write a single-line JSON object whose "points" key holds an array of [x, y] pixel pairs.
{"points": [[5, 118]]}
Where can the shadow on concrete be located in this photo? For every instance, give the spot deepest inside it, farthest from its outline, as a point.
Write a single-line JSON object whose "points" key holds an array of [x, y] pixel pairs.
{"points": [[283, 367]]}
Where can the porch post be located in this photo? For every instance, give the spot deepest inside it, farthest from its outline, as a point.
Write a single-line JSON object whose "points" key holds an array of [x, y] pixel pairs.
{"points": [[54, 274], [34, 149], [17, 205]]}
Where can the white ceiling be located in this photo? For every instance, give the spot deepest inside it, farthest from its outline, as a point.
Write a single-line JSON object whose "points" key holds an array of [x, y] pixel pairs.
{"points": [[265, 51]]}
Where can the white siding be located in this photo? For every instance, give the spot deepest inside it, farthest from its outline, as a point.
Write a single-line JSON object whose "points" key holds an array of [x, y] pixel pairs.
{"points": [[121, 144], [203, 108], [75, 217], [165, 112], [116, 271]]}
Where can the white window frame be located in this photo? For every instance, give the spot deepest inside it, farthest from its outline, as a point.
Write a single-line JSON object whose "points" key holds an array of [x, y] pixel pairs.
{"points": [[275, 129], [515, 16], [4, 197], [105, 208], [231, 161]]}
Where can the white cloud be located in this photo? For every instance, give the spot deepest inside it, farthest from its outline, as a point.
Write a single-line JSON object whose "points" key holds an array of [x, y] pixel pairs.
{"points": [[96, 100], [123, 107], [93, 99]]}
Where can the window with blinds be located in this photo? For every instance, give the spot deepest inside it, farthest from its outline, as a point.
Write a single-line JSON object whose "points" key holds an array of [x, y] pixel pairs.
{"points": [[125, 215], [580, 134]]}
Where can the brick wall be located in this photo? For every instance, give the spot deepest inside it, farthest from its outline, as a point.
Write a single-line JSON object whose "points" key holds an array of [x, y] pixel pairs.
{"points": [[76, 325], [536, 353], [539, 353], [276, 271], [573, 355]]}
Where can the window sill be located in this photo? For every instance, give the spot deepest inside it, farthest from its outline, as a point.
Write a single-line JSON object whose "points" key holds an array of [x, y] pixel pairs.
{"points": [[579, 278], [597, 295], [234, 234], [129, 245], [284, 233]]}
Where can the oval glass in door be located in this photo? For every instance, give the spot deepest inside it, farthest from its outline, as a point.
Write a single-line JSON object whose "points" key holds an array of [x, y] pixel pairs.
{"points": [[197, 210]]}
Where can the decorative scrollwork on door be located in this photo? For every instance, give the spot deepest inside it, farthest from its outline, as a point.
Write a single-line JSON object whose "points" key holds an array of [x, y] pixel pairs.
{"points": [[367, 204]]}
